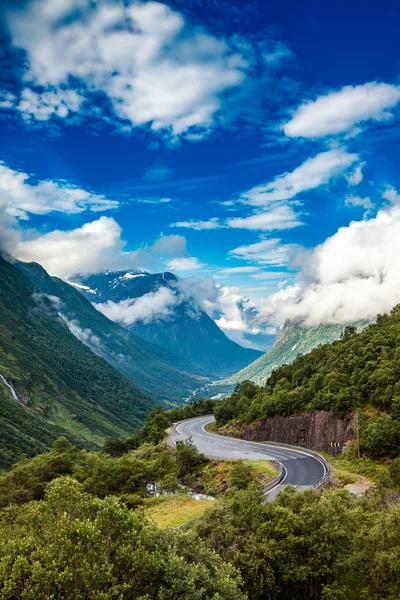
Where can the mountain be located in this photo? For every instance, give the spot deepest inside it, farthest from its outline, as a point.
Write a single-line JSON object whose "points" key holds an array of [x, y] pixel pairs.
{"points": [[51, 383], [165, 376], [182, 326], [293, 340]]}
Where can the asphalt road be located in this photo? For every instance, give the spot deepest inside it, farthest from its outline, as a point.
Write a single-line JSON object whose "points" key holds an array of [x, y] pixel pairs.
{"points": [[300, 469]]}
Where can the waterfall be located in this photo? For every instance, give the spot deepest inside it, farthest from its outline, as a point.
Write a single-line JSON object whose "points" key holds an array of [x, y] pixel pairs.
{"points": [[10, 387]]}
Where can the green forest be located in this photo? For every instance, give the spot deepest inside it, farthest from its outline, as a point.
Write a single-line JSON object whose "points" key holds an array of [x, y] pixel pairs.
{"points": [[360, 372], [73, 525]]}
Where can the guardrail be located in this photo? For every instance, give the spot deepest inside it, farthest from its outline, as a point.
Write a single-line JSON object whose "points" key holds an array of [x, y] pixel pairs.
{"points": [[276, 480], [316, 455]]}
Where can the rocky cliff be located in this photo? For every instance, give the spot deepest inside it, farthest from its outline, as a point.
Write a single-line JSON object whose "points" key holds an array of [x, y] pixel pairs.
{"points": [[314, 429]]}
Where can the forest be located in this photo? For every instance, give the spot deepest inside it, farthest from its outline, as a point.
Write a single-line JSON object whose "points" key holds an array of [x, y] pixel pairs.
{"points": [[360, 372], [73, 525]]}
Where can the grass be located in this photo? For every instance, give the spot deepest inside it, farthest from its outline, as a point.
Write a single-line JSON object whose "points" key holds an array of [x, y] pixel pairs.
{"points": [[347, 468], [212, 427], [172, 511], [262, 469]]}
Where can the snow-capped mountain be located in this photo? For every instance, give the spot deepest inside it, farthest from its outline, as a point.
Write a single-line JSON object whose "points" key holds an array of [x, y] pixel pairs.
{"points": [[160, 308]]}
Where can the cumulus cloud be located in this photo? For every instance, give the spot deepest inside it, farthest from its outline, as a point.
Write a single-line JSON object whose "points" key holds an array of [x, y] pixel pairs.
{"points": [[90, 248], [155, 306], [340, 111], [24, 196], [154, 68], [353, 275], [392, 195]]}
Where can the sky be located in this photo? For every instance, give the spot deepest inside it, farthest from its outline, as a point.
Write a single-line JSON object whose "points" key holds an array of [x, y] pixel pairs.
{"points": [[252, 148]]}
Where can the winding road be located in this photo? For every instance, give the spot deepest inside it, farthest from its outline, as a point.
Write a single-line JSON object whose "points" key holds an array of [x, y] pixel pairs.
{"points": [[299, 469]]}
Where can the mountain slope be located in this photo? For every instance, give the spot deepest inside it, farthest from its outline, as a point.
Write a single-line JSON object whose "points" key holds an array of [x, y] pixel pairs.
{"points": [[166, 376], [292, 341], [62, 387], [183, 327]]}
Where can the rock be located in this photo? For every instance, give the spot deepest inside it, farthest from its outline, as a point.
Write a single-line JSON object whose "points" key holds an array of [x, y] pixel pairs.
{"points": [[313, 429]]}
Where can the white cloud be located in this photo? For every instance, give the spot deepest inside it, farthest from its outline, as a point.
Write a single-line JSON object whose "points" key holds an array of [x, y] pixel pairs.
{"points": [[278, 54], [158, 305], [313, 173], [41, 106], [271, 252], [358, 201], [93, 247], [153, 200], [184, 264], [392, 195], [25, 196], [154, 67], [281, 217], [339, 111], [353, 275], [213, 223], [356, 176]]}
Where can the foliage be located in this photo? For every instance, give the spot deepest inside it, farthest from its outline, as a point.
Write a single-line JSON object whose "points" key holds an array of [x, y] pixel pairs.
{"points": [[73, 546], [153, 431], [162, 374], [360, 370], [129, 476], [307, 545], [63, 387]]}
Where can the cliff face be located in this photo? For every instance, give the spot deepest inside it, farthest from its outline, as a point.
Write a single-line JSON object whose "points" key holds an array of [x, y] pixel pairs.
{"points": [[314, 429]]}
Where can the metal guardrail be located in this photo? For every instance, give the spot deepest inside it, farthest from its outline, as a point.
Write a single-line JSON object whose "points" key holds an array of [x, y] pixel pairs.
{"points": [[276, 480], [316, 455]]}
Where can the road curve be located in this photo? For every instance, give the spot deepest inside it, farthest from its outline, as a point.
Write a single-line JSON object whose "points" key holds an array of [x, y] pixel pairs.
{"points": [[300, 469]]}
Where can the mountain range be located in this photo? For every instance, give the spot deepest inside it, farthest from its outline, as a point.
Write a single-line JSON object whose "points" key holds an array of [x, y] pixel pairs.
{"points": [[166, 376], [180, 325], [51, 383]]}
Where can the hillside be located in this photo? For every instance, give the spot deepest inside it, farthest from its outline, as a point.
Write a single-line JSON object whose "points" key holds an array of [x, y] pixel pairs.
{"points": [[61, 385], [359, 371], [292, 341], [186, 329], [166, 376]]}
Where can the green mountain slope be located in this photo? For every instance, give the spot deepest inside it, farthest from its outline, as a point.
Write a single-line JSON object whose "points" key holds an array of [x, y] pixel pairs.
{"points": [[359, 371], [167, 377], [292, 341], [187, 331], [61, 385]]}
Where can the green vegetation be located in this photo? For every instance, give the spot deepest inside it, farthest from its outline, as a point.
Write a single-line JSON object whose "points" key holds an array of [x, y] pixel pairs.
{"points": [[153, 431], [162, 374], [292, 341], [360, 371], [311, 545], [77, 524], [73, 546], [173, 511], [63, 387]]}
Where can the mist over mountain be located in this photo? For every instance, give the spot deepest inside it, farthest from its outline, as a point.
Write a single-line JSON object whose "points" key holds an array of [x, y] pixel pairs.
{"points": [[51, 383], [166, 376], [163, 309]]}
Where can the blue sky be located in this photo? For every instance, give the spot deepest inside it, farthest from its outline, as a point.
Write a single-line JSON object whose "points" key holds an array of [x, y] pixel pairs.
{"points": [[222, 139]]}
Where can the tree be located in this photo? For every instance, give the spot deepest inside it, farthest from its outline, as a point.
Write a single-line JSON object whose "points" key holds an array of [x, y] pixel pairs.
{"points": [[72, 546]]}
